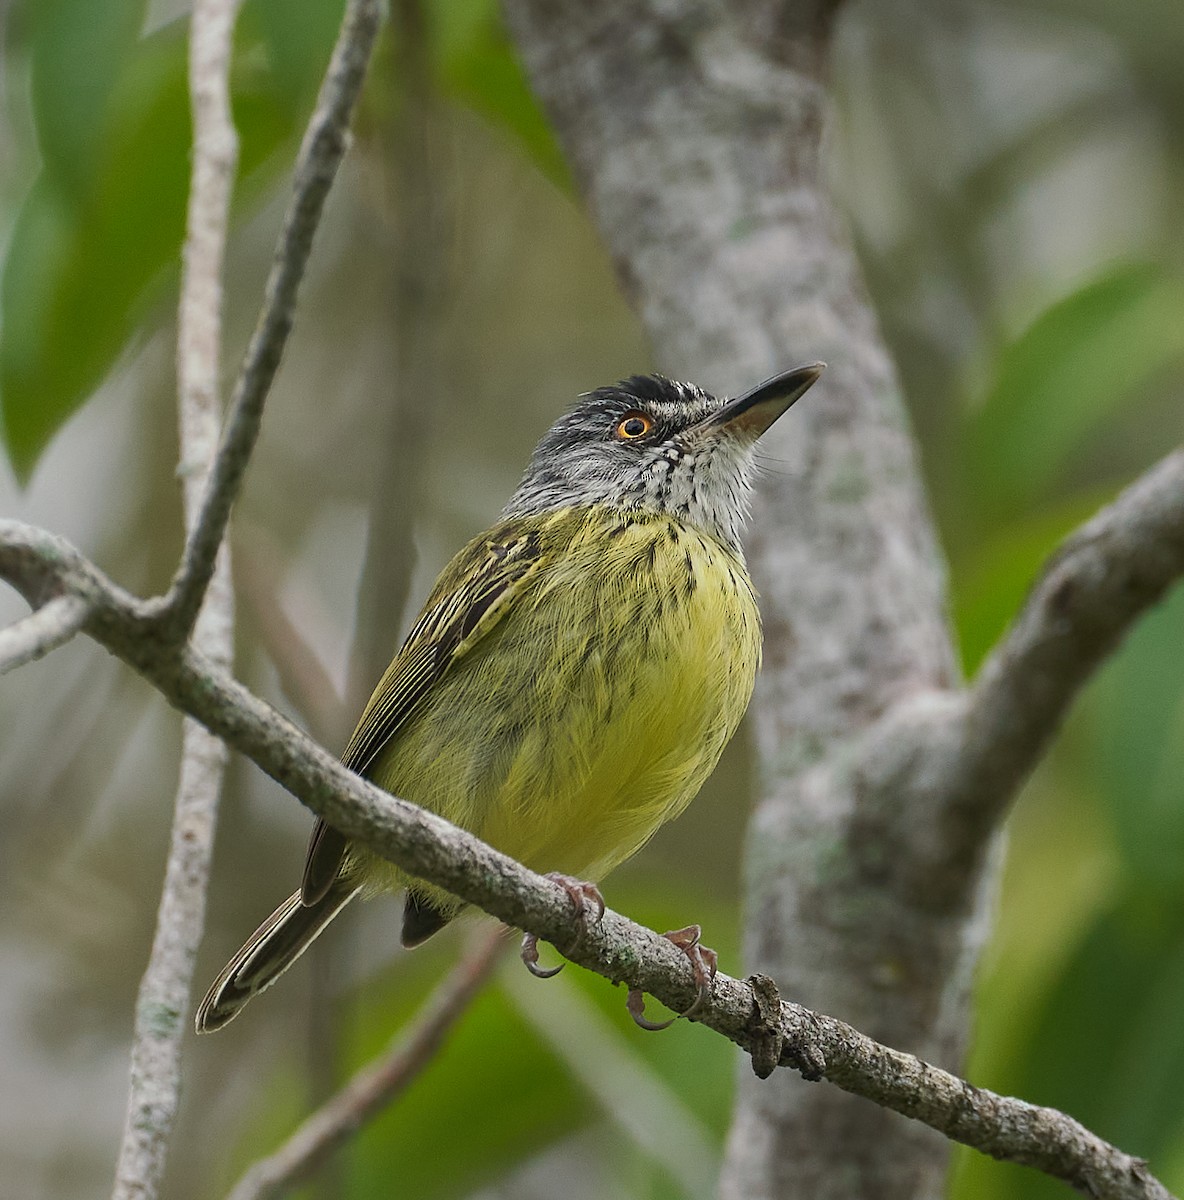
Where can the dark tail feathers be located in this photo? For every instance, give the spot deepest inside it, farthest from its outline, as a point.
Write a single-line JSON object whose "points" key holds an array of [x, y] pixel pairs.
{"points": [[268, 953]]}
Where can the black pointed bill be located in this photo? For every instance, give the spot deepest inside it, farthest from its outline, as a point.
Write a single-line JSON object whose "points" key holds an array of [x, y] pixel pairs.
{"points": [[751, 414]]}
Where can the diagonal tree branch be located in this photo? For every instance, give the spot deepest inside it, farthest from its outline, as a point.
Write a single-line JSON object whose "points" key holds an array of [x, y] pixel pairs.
{"points": [[376, 1085], [1100, 580], [147, 634], [51, 626], [775, 1032], [324, 146], [962, 757], [163, 999]]}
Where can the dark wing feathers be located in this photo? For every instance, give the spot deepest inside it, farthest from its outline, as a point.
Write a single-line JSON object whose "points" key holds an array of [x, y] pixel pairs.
{"points": [[471, 596], [405, 683]]}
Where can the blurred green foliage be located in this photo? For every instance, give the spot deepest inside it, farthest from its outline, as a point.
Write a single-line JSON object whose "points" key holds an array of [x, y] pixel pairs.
{"points": [[98, 237], [1033, 407], [1090, 354], [475, 63], [100, 230]]}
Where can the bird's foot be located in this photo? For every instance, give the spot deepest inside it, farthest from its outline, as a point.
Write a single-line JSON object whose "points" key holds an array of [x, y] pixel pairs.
{"points": [[581, 894], [704, 962]]}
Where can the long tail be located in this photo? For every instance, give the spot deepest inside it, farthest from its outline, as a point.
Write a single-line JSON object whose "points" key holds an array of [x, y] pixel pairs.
{"points": [[268, 953]]}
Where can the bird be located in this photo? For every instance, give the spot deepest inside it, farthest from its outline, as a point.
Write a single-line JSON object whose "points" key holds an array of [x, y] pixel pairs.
{"points": [[575, 672]]}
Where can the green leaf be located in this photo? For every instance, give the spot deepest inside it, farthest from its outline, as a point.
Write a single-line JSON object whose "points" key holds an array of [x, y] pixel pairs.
{"points": [[79, 48], [1085, 357], [1135, 750], [99, 235]]}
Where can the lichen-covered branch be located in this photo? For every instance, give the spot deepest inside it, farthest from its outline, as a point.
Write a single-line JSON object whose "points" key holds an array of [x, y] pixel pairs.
{"points": [[320, 155], [961, 757], [750, 1013], [51, 626], [163, 1000], [1114, 568]]}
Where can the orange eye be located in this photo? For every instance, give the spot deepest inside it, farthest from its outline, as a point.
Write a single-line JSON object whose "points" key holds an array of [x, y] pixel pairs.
{"points": [[634, 425]]}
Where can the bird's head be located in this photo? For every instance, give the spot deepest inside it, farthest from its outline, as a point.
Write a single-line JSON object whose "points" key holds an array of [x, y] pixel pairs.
{"points": [[653, 444]]}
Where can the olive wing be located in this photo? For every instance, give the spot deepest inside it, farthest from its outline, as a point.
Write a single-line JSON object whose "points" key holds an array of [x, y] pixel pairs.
{"points": [[473, 593]]}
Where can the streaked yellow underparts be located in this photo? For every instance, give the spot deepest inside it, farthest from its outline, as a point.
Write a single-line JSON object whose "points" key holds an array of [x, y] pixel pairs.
{"points": [[576, 727]]}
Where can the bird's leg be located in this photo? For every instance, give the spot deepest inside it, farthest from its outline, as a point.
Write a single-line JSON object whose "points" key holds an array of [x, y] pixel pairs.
{"points": [[581, 894], [704, 962]]}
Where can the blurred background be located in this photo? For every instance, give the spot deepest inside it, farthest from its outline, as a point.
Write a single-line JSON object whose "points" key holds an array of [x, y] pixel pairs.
{"points": [[1014, 175]]}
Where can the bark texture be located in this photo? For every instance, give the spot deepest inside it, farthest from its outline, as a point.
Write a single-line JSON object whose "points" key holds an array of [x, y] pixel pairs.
{"points": [[697, 133], [163, 1000], [751, 1013]]}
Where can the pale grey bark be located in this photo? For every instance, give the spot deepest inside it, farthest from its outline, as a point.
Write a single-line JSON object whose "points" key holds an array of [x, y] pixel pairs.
{"points": [[696, 132], [1146, 525], [163, 1000], [51, 626]]}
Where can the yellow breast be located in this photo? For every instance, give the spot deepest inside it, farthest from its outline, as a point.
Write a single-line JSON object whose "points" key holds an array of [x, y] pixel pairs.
{"points": [[596, 708]]}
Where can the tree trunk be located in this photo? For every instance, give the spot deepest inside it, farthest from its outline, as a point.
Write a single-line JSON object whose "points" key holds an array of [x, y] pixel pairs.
{"points": [[696, 134]]}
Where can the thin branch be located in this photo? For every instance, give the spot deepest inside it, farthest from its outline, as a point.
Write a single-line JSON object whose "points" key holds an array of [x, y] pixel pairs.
{"points": [[777, 1033], [1112, 570], [375, 1086], [51, 626], [320, 155], [163, 999], [418, 192]]}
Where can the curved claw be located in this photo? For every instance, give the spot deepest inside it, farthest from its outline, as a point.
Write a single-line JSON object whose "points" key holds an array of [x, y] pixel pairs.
{"points": [[530, 957], [635, 1003], [581, 894], [704, 963]]}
